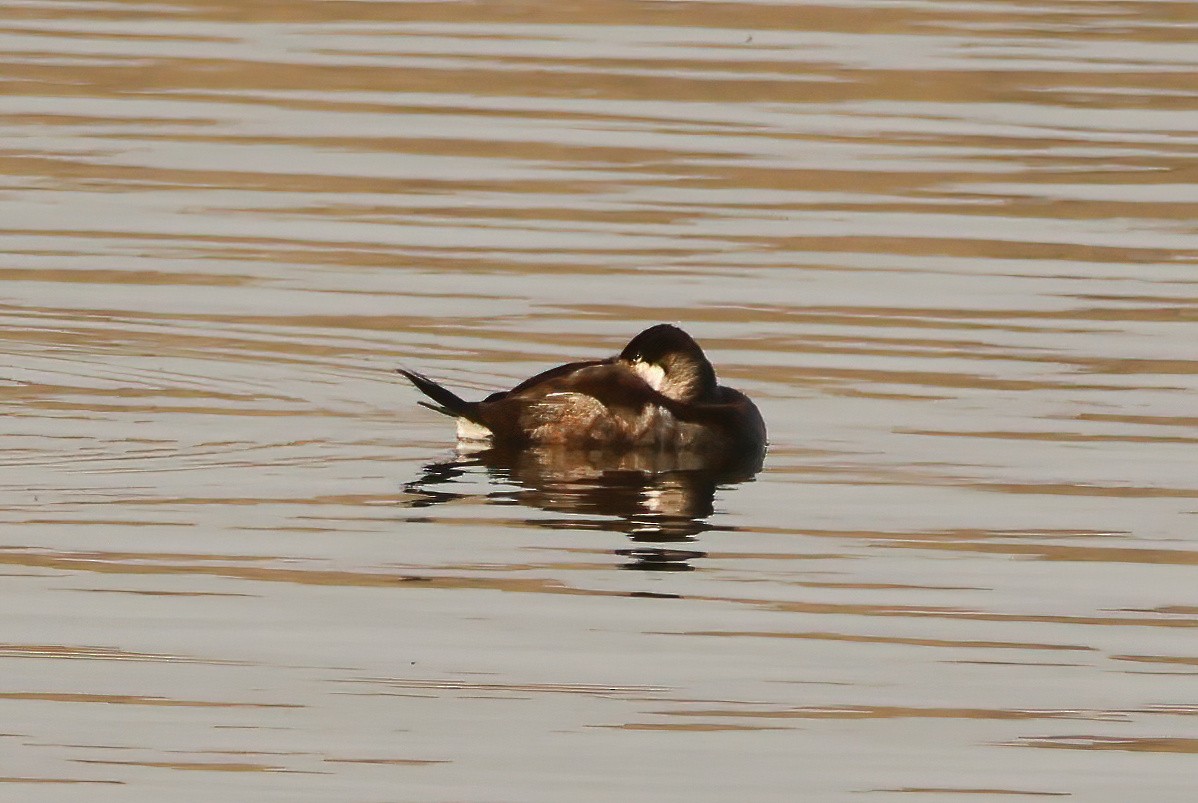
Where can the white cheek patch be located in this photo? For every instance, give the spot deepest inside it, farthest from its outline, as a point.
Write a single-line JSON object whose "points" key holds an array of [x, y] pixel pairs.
{"points": [[654, 375]]}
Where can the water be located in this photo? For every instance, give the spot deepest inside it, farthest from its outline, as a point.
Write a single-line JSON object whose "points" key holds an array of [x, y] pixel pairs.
{"points": [[947, 248]]}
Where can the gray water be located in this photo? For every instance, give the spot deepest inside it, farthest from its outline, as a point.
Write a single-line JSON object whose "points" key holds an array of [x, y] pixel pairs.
{"points": [[948, 248]]}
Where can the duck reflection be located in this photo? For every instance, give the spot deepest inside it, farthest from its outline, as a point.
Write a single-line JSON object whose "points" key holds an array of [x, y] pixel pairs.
{"points": [[653, 497]]}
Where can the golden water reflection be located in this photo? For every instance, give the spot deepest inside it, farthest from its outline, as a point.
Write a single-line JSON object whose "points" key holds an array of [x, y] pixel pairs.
{"points": [[653, 497], [946, 247]]}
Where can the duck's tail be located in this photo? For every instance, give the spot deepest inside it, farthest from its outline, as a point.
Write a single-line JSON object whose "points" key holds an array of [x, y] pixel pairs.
{"points": [[447, 402]]}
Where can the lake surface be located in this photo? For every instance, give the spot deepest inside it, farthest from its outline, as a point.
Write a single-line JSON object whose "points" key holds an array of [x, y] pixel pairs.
{"points": [[949, 248]]}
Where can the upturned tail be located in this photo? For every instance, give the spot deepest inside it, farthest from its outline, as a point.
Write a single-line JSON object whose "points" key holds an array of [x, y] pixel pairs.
{"points": [[447, 402]]}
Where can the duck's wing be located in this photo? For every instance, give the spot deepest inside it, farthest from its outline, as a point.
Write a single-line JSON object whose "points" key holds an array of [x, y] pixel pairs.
{"points": [[552, 374], [611, 382], [563, 402]]}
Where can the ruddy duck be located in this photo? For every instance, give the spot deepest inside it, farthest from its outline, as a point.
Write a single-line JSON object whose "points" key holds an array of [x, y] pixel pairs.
{"points": [[660, 391]]}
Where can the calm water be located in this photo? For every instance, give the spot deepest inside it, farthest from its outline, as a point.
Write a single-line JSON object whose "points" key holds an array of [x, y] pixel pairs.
{"points": [[949, 248]]}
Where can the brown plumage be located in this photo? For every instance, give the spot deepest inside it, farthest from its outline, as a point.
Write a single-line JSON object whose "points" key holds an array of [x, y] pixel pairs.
{"points": [[660, 391]]}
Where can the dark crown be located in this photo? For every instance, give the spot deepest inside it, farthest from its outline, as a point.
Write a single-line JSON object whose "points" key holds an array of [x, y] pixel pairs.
{"points": [[653, 344]]}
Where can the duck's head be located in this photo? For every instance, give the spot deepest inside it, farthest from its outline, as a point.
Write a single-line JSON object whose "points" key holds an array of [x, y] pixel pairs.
{"points": [[670, 362]]}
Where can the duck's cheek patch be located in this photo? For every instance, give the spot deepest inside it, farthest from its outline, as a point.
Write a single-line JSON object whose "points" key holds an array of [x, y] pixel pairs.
{"points": [[654, 375]]}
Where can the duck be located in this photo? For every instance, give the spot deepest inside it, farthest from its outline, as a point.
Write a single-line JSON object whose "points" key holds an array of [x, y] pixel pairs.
{"points": [[659, 392]]}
